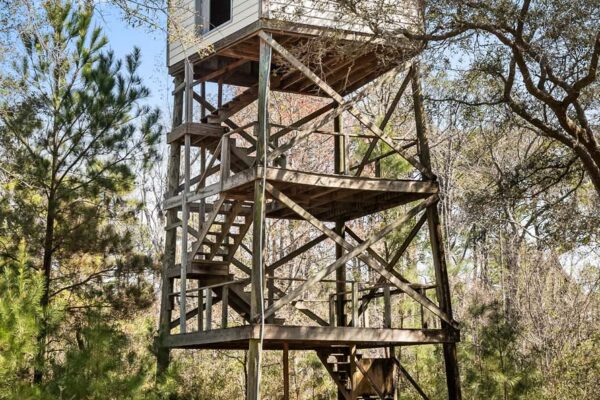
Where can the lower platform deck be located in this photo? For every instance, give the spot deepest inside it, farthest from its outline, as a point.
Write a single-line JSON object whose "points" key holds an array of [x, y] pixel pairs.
{"points": [[307, 337]]}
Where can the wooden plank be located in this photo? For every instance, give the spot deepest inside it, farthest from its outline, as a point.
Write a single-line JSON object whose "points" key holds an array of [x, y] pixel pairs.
{"points": [[307, 337], [196, 129], [350, 182], [221, 71]]}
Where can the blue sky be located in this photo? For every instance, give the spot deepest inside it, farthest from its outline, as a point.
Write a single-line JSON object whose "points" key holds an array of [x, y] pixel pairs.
{"points": [[122, 39]]}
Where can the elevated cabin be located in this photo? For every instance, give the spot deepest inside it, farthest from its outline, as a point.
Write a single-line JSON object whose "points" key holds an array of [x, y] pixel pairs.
{"points": [[220, 37]]}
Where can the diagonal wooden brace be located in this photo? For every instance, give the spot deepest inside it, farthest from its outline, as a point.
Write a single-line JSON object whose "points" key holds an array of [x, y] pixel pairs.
{"points": [[357, 252], [206, 226], [289, 57], [367, 374], [385, 121]]}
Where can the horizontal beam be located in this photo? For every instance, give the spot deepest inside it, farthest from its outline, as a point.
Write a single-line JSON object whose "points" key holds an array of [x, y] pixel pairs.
{"points": [[307, 337]]}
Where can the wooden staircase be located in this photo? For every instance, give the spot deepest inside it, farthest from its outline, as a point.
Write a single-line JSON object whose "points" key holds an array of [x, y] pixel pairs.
{"points": [[338, 363], [233, 106]]}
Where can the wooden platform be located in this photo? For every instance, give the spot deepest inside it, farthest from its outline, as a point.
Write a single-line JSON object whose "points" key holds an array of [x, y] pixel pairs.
{"points": [[307, 337], [329, 197], [353, 61]]}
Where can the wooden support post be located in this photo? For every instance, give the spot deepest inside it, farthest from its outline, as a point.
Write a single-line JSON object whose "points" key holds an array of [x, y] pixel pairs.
{"points": [[202, 106], [185, 209], [286, 372], [163, 354], [220, 94], [185, 213], [224, 306], [435, 235], [258, 239], [340, 168], [209, 301]]}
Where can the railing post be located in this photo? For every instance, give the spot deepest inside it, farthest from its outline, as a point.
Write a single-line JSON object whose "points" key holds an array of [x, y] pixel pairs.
{"points": [[423, 321], [225, 159], [354, 304], [332, 310], [387, 307]]}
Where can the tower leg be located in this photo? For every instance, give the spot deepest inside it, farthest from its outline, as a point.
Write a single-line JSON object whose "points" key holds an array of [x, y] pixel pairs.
{"points": [[435, 235], [286, 372], [163, 356], [258, 230], [340, 168]]}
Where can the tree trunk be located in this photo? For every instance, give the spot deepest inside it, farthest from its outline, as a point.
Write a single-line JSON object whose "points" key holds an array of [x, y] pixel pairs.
{"points": [[45, 300]]}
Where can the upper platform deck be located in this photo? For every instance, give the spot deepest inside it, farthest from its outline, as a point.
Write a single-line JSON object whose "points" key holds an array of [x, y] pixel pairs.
{"points": [[348, 54]]}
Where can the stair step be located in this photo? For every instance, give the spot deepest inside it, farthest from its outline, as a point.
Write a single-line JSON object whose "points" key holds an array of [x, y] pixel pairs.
{"points": [[202, 269], [209, 243], [219, 254]]}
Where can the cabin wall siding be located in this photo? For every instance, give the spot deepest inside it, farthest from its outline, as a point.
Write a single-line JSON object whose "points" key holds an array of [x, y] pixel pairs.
{"points": [[327, 14], [184, 41]]}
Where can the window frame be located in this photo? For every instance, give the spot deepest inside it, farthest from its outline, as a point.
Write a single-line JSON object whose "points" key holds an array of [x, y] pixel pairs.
{"points": [[202, 18]]}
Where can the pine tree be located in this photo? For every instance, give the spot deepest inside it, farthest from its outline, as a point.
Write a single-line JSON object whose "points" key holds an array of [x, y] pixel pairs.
{"points": [[73, 139], [21, 290]]}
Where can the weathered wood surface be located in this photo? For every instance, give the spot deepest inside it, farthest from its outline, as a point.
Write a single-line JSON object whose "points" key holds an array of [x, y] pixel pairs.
{"points": [[307, 337]]}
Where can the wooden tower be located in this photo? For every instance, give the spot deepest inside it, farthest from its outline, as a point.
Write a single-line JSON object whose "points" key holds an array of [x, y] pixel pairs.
{"points": [[227, 175]]}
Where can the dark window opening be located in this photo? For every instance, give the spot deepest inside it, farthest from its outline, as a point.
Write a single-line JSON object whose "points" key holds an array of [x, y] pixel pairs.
{"points": [[220, 12]]}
